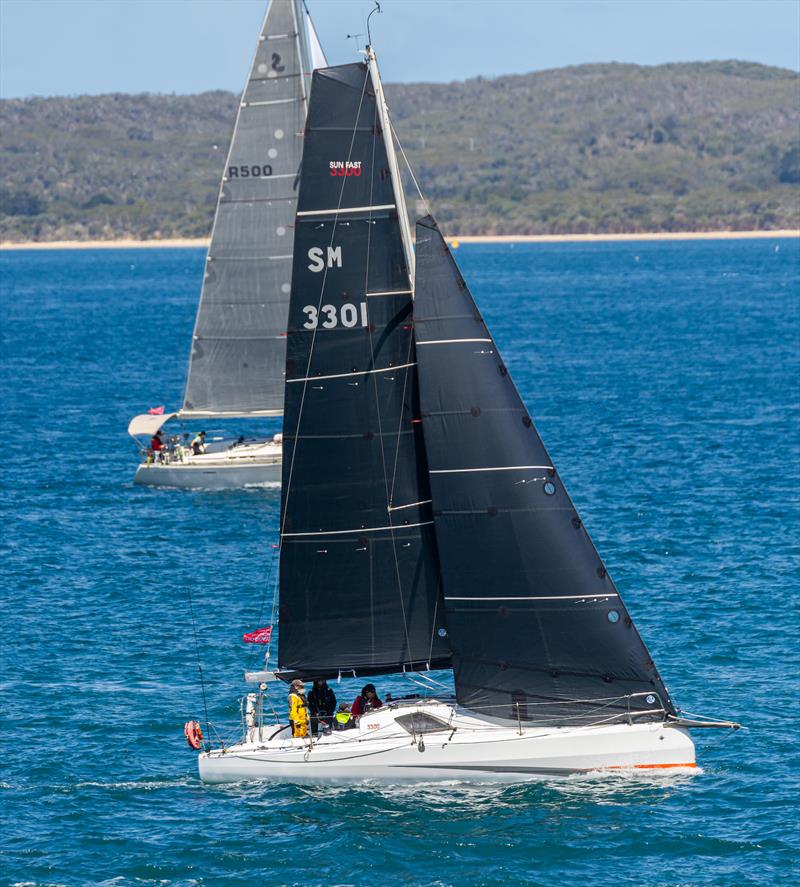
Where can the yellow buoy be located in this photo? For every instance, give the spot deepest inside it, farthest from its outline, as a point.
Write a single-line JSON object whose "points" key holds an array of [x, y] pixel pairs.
{"points": [[454, 243]]}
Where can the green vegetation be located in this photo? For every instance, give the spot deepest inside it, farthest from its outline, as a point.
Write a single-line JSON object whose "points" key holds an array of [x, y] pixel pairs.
{"points": [[594, 148]]}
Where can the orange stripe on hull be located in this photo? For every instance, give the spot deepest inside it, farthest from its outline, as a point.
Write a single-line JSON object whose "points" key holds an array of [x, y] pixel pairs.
{"points": [[648, 766]]}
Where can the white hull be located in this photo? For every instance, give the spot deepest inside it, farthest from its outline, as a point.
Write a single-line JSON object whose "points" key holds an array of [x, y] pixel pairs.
{"points": [[470, 748], [238, 467]]}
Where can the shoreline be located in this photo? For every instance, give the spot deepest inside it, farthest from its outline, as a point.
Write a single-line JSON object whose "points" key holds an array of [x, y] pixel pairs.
{"points": [[202, 242]]}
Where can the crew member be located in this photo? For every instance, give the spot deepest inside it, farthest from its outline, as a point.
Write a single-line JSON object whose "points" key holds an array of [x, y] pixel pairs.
{"points": [[367, 701], [298, 709], [321, 705], [199, 443], [343, 719], [158, 448]]}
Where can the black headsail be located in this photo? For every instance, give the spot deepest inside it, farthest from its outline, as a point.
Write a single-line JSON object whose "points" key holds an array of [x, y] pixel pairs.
{"points": [[534, 620], [359, 586]]}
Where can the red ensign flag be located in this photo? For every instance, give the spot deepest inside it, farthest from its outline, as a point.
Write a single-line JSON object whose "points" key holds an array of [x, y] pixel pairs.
{"points": [[259, 636]]}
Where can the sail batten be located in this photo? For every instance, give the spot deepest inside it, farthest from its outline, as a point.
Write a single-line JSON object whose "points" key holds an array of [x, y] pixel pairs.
{"points": [[236, 366], [532, 615]]}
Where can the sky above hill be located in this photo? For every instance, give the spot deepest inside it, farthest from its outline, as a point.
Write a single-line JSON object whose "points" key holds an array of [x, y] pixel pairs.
{"points": [[70, 47]]}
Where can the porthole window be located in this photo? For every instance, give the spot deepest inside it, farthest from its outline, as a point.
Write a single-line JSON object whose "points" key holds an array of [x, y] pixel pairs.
{"points": [[613, 617], [549, 488]]}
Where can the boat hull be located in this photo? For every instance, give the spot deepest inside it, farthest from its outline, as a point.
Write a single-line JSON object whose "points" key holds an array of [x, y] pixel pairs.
{"points": [[221, 468], [471, 753], [208, 477]]}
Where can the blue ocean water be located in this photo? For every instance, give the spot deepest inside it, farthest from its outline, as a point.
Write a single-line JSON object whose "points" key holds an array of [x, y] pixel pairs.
{"points": [[663, 378]]}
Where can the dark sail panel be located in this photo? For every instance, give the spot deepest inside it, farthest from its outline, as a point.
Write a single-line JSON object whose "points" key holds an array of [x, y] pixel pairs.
{"points": [[359, 586], [534, 621]]}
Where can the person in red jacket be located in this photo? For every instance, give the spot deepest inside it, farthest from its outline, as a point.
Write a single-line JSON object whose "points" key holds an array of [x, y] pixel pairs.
{"points": [[367, 701], [157, 446]]}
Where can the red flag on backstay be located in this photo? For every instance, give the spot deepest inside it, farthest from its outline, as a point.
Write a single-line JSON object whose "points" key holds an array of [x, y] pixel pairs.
{"points": [[259, 636], [156, 411]]}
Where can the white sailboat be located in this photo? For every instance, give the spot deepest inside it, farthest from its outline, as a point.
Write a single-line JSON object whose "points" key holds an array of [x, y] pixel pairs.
{"points": [[423, 523], [236, 366]]}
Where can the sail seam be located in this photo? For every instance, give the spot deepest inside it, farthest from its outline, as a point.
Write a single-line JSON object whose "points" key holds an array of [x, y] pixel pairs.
{"points": [[235, 200], [410, 505], [282, 175], [552, 597], [344, 209], [218, 258], [209, 338], [498, 468], [357, 530], [449, 341], [269, 79], [270, 102], [400, 366]]}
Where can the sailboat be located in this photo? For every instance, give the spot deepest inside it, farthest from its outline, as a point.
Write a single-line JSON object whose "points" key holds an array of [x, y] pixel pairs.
{"points": [[236, 366], [424, 526]]}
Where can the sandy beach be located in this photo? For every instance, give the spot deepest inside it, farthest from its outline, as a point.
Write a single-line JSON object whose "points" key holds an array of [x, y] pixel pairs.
{"points": [[467, 238]]}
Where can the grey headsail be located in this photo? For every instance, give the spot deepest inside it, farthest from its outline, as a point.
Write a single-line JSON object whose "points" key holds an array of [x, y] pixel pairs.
{"points": [[236, 366], [534, 621], [359, 577]]}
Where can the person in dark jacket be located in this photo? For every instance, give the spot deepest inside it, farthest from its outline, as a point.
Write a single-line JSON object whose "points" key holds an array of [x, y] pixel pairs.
{"points": [[367, 701], [321, 705]]}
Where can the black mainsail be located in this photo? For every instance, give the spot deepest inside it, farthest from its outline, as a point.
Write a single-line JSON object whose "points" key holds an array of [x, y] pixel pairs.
{"points": [[236, 367], [359, 576], [532, 614]]}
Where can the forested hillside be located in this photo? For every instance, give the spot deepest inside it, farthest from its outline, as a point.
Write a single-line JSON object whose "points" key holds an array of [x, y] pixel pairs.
{"points": [[595, 148]]}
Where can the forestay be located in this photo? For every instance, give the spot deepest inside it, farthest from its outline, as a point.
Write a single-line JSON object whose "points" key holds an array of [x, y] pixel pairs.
{"points": [[532, 614], [238, 348], [359, 577]]}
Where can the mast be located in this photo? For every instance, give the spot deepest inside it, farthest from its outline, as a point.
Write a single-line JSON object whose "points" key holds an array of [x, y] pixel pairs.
{"points": [[394, 168]]}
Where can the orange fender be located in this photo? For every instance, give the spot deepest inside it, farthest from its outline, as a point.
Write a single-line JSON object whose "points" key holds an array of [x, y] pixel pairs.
{"points": [[193, 734]]}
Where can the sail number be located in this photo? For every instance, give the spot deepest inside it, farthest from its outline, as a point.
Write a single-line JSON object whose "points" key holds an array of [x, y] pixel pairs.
{"points": [[348, 315], [317, 259], [254, 171]]}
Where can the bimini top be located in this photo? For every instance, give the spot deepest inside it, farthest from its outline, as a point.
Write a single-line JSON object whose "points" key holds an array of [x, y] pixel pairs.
{"points": [[147, 423]]}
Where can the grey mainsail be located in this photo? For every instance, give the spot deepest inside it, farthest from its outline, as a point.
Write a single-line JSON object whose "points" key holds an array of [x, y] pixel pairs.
{"points": [[533, 617], [236, 366]]}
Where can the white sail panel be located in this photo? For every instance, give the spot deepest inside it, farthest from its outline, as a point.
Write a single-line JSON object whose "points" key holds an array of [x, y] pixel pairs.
{"points": [[318, 59], [239, 342]]}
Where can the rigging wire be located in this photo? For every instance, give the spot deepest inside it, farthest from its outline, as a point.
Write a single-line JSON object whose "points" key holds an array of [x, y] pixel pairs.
{"points": [[422, 197]]}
